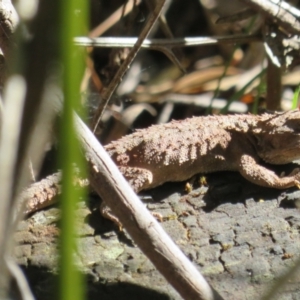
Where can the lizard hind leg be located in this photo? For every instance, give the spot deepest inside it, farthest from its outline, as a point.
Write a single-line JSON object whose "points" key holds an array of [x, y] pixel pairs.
{"points": [[108, 214], [138, 178]]}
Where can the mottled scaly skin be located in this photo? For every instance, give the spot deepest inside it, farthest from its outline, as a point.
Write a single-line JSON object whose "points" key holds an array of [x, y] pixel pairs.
{"points": [[180, 149]]}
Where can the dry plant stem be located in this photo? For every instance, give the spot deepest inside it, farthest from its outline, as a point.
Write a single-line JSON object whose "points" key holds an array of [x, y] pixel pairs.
{"points": [[114, 18], [20, 279], [38, 115], [175, 55], [240, 16], [274, 86], [163, 45], [155, 44], [97, 31], [285, 14], [163, 24], [13, 110], [36, 147], [35, 83], [9, 21], [125, 65], [108, 182]]}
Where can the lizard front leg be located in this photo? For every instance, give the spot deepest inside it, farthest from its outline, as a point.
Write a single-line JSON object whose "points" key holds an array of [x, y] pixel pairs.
{"points": [[262, 176]]}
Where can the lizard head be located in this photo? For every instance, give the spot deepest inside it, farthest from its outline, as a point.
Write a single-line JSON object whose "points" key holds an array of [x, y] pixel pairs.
{"points": [[278, 137]]}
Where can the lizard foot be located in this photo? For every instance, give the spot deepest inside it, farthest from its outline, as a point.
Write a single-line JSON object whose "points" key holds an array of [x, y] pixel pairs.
{"points": [[157, 216], [107, 214], [296, 174]]}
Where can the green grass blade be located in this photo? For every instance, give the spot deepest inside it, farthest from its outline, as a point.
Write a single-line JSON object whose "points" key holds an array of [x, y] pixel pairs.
{"points": [[296, 97], [73, 23]]}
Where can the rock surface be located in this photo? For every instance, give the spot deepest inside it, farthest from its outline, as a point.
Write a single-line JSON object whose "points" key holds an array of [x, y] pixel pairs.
{"points": [[241, 237]]}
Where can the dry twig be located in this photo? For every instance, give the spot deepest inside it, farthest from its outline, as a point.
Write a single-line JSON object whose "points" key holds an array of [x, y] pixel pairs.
{"points": [[108, 182], [285, 14], [123, 68]]}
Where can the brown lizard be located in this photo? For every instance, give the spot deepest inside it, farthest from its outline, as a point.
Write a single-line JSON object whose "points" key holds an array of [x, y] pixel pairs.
{"points": [[180, 149]]}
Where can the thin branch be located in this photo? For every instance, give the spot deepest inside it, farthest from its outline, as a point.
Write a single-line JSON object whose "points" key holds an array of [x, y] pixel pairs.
{"points": [[175, 55], [107, 181], [24, 120], [236, 17], [10, 132], [114, 18], [125, 65], [20, 279], [118, 42], [164, 45], [285, 14]]}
